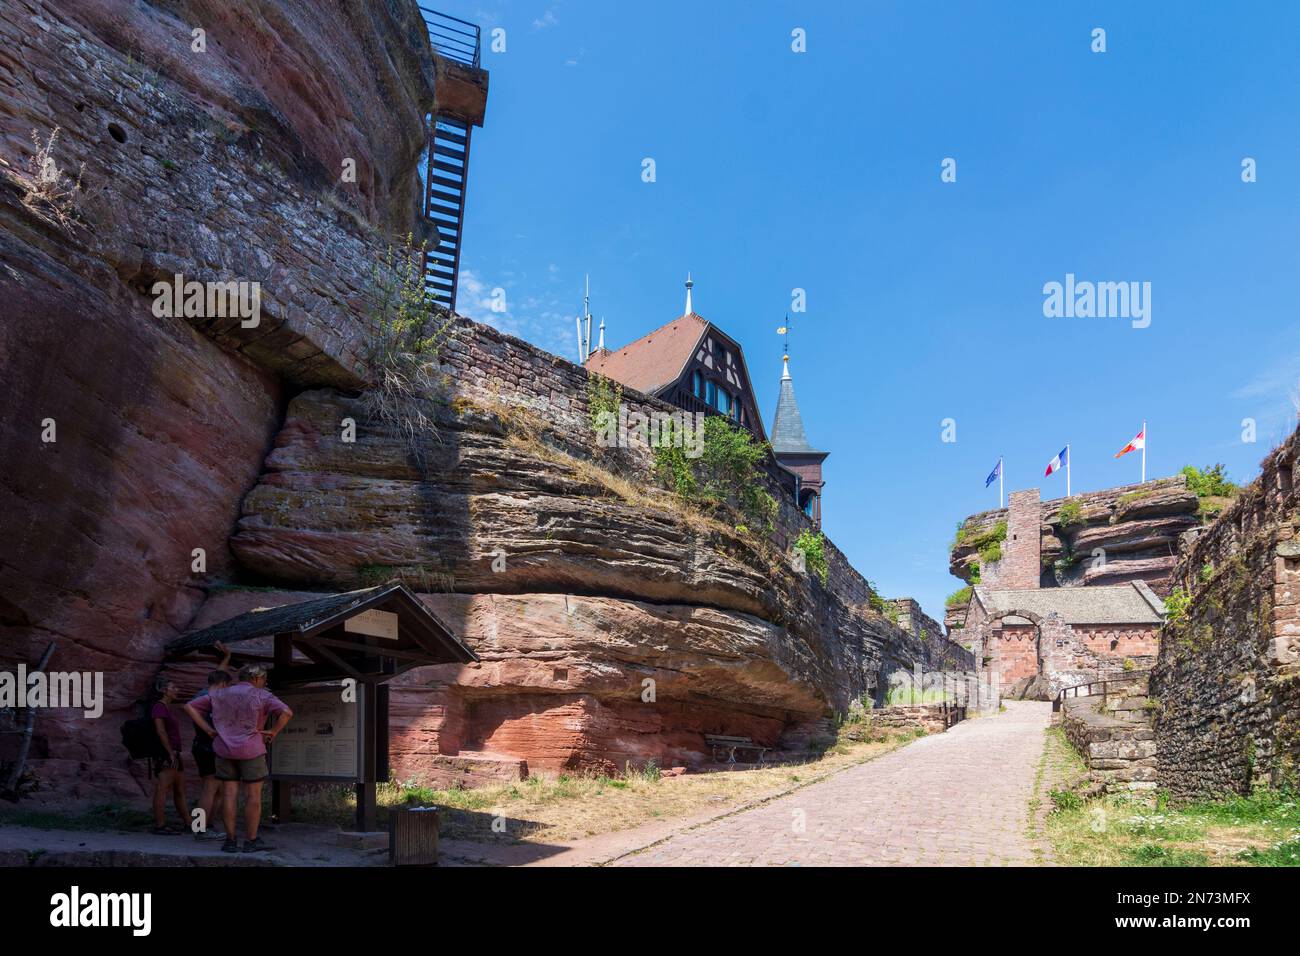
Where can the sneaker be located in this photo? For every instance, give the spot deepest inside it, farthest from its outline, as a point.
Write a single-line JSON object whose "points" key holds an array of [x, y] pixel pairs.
{"points": [[210, 835], [256, 844], [230, 846]]}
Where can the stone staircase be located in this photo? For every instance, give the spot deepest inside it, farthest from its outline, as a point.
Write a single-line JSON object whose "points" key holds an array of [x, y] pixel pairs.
{"points": [[1114, 734]]}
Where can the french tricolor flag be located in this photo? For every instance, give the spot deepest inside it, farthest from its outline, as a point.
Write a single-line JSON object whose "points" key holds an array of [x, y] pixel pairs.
{"points": [[1060, 461]]}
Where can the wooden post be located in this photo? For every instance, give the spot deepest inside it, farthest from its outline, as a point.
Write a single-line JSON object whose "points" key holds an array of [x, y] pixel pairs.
{"points": [[281, 799], [29, 718], [366, 786], [366, 806]]}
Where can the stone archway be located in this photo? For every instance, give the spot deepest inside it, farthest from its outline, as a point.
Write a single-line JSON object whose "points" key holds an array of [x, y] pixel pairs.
{"points": [[1016, 668]]}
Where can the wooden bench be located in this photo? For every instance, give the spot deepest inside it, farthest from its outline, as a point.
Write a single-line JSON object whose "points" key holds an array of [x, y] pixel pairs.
{"points": [[729, 745]]}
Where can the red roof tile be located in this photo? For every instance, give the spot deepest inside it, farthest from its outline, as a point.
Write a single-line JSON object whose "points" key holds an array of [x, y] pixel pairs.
{"points": [[654, 360]]}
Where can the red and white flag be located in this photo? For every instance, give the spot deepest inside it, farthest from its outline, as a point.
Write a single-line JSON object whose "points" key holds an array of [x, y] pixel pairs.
{"points": [[1139, 442]]}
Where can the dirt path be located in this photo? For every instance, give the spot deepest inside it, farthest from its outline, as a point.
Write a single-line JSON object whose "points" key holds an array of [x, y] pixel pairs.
{"points": [[959, 798]]}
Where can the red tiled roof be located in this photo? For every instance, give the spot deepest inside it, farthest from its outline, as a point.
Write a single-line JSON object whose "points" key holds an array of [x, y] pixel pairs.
{"points": [[654, 360]]}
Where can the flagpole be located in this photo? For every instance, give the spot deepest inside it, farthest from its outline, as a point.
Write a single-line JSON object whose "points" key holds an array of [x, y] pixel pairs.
{"points": [[1001, 469], [1144, 453], [1067, 469]]}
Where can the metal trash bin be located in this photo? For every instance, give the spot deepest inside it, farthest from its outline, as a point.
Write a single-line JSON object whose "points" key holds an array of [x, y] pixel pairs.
{"points": [[413, 836]]}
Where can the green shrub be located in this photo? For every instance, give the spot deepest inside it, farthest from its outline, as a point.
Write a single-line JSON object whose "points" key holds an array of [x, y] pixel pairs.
{"points": [[1209, 482], [604, 396], [1070, 514], [1176, 606], [813, 545], [887, 609], [728, 471], [1066, 800], [1156, 854], [404, 333], [960, 596]]}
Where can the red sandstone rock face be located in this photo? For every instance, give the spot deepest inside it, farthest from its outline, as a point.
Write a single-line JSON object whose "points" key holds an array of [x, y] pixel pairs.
{"points": [[330, 512], [562, 684], [158, 434], [214, 165], [736, 643], [1137, 526]]}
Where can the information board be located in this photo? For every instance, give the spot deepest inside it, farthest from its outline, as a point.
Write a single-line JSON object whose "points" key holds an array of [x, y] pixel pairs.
{"points": [[324, 739]]}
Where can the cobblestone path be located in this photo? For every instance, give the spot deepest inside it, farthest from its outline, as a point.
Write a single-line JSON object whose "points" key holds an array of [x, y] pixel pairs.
{"points": [[957, 798]]}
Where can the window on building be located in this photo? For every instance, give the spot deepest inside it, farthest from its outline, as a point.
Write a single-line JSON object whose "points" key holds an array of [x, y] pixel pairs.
{"points": [[808, 505], [724, 401], [711, 392], [697, 383]]}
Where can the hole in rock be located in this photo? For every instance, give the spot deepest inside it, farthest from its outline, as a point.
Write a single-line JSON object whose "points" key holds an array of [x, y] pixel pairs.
{"points": [[116, 131]]}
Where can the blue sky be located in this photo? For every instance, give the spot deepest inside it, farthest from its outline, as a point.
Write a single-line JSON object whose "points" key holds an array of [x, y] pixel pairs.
{"points": [[778, 170]]}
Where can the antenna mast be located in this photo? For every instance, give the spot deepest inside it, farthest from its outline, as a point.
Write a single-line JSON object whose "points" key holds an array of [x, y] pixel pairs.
{"points": [[586, 310]]}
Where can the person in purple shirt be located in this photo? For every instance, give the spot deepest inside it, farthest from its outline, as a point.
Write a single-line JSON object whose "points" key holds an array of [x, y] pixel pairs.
{"points": [[168, 772], [236, 717]]}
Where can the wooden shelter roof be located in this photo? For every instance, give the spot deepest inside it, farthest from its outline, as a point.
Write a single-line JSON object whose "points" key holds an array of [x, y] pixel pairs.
{"points": [[308, 619]]}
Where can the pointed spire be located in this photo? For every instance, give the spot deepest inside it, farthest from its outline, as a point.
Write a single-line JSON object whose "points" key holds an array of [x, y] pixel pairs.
{"points": [[788, 436], [600, 346], [689, 283]]}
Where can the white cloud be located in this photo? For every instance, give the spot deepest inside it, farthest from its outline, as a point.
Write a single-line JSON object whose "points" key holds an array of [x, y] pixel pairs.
{"points": [[547, 19], [539, 319], [1277, 379]]}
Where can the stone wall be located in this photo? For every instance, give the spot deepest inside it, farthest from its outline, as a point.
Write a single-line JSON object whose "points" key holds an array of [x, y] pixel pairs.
{"points": [[493, 368], [931, 718], [1115, 738], [927, 718], [1020, 565], [1227, 680]]}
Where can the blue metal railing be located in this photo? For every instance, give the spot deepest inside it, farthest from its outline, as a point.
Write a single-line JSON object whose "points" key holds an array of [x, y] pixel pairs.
{"points": [[452, 37]]}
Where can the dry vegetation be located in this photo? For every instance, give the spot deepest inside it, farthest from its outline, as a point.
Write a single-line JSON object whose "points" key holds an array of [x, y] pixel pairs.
{"points": [[571, 807], [48, 189]]}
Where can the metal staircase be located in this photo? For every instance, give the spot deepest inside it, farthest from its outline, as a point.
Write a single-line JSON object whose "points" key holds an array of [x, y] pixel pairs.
{"points": [[445, 179], [456, 46]]}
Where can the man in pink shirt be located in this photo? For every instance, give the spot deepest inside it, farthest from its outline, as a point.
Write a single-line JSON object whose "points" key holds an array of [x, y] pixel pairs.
{"points": [[238, 720]]}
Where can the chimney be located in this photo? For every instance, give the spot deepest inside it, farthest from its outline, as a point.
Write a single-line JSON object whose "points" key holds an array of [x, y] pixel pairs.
{"points": [[1021, 564]]}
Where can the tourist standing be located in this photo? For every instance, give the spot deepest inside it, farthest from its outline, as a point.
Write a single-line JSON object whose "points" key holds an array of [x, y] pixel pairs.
{"points": [[166, 767], [238, 722]]}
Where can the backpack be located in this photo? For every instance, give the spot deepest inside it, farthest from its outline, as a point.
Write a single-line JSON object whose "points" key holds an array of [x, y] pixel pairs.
{"points": [[140, 738]]}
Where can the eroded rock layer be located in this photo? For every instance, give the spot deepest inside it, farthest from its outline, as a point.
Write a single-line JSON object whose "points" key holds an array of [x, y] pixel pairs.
{"points": [[611, 626]]}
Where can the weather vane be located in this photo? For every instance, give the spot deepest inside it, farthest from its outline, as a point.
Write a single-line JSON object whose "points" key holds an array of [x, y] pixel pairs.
{"points": [[784, 331]]}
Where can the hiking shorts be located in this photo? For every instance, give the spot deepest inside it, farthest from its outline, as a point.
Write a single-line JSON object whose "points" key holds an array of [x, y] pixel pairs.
{"points": [[245, 771], [205, 760]]}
